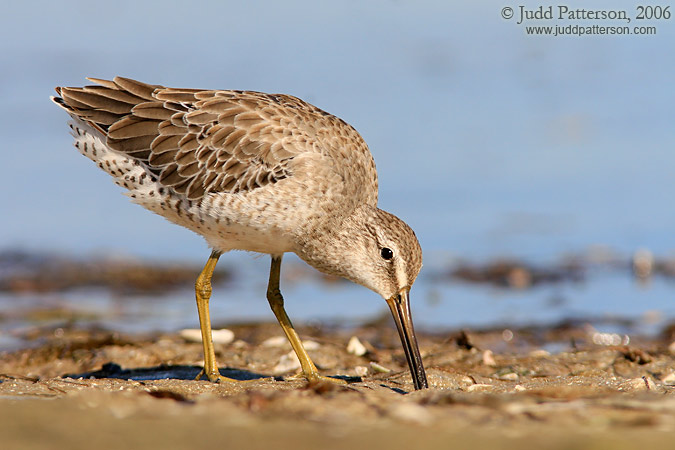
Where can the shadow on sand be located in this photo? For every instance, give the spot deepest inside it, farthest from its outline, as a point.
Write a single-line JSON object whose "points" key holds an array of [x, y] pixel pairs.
{"points": [[176, 372]]}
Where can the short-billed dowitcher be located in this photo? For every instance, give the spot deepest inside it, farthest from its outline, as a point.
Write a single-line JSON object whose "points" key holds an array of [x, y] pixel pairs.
{"points": [[266, 173]]}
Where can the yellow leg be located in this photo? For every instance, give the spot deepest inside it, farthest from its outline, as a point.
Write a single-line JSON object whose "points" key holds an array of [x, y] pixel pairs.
{"points": [[203, 294], [276, 301]]}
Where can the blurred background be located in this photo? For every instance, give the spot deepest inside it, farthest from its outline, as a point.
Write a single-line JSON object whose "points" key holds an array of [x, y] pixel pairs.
{"points": [[537, 171]]}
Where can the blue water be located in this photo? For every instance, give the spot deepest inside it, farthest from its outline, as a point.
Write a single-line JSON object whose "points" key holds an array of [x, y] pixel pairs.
{"points": [[489, 142]]}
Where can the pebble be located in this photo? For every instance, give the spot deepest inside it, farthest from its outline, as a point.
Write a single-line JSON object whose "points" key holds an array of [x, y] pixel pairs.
{"points": [[467, 380], [311, 345], [511, 376], [222, 336], [671, 348], [191, 335], [643, 263], [669, 380], [168, 342], [355, 347], [489, 359], [275, 341], [479, 387], [539, 353], [361, 371], [519, 388], [287, 363], [282, 341], [379, 368], [239, 344], [638, 384]]}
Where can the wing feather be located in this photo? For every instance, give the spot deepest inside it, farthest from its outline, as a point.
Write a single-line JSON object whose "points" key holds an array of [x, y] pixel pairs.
{"points": [[198, 141]]}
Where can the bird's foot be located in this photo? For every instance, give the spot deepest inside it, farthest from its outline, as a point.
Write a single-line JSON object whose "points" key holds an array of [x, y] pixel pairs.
{"points": [[215, 377], [314, 378]]}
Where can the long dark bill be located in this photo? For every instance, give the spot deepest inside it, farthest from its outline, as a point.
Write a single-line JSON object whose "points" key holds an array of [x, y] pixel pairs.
{"points": [[400, 309]]}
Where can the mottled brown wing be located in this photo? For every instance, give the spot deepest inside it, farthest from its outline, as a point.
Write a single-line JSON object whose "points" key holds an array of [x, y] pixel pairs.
{"points": [[195, 141]]}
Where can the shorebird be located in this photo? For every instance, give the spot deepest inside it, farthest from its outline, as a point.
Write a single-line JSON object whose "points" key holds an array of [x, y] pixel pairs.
{"points": [[266, 173]]}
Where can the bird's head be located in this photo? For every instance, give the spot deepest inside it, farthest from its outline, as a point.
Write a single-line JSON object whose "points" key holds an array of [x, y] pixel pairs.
{"points": [[381, 252]]}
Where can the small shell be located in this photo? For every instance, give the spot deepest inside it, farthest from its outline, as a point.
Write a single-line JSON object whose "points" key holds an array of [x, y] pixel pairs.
{"points": [[355, 347]]}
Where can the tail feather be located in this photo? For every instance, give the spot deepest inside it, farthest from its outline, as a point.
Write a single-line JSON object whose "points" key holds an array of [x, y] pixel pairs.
{"points": [[89, 126], [94, 110], [105, 103], [60, 102]]}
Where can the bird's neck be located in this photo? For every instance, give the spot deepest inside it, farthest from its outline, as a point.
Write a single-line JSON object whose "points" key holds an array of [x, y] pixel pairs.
{"points": [[336, 250]]}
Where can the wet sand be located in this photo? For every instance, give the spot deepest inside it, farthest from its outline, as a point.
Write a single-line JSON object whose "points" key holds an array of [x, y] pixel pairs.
{"points": [[494, 388]]}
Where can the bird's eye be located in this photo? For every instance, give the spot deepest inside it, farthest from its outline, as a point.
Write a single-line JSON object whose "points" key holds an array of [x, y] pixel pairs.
{"points": [[386, 253]]}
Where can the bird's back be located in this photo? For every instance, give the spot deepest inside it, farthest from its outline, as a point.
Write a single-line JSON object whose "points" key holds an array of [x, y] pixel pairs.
{"points": [[253, 161]]}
